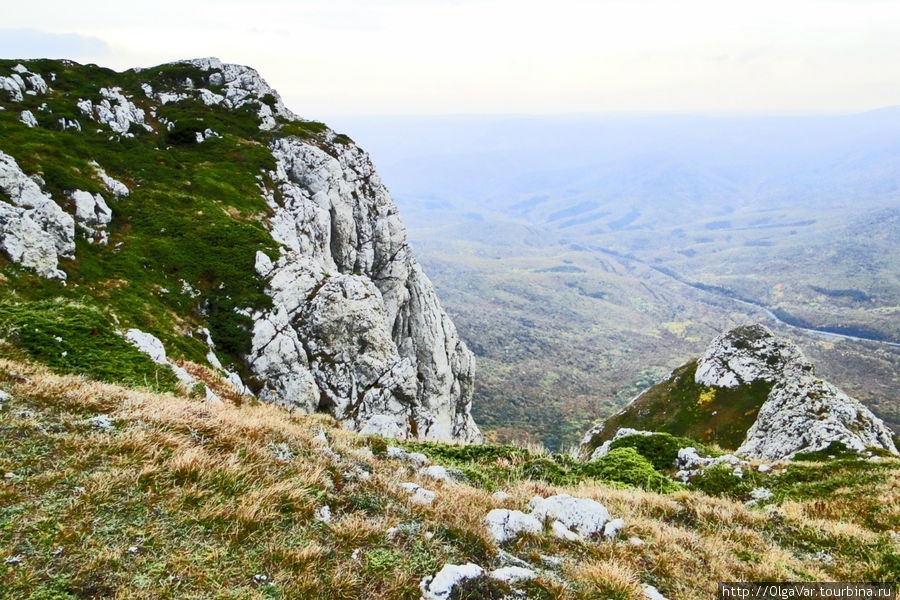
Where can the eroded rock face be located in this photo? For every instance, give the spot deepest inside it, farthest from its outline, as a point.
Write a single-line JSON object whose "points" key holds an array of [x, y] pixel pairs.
{"points": [[34, 231], [356, 328], [807, 414], [747, 354]]}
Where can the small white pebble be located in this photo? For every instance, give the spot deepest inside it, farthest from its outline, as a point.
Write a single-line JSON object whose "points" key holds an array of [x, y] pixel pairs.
{"points": [[133, 550]]}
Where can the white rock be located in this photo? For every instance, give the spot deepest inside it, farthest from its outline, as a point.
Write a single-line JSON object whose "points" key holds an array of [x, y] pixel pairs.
{"points": [[92, 214], [583, 515], [805, 414], [651, 593], [115, 186], [323, 514], [603, 449], [764, 468], [440, 586], [612, 528], [635, 541], [416, 458], [418, 495], [513, 574], [34, 230], [505, 525], [27, 117], [500, 496], [356, 328], [118, 112], [102, 423], [149, 344], [436, 472], [561, 532], [748, 354], [761, 494]]}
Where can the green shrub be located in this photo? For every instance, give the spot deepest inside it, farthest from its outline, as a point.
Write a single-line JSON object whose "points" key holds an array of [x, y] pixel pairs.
{"points": [[720, 480], [377, 445], [661, 449], [628, 466]]}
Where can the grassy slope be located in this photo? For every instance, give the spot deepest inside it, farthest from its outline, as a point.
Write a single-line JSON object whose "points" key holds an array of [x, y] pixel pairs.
{"points": [[182, 244], [184, 500], [681, 407]]}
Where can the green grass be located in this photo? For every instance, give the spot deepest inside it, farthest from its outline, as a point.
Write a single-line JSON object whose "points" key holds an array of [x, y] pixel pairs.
{"points": [[192, 223], [496, 466], [73, 338]]}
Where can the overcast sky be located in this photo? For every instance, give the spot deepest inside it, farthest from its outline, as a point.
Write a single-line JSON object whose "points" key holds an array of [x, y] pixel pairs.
{"points": [[364, 57]]}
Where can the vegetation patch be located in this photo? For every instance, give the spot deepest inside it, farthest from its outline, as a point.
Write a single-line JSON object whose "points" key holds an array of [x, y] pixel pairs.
{"points": [[628, 466]]}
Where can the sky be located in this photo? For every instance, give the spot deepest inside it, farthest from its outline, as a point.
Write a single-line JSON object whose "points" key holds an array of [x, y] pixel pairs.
{"points": [[431, 57]]}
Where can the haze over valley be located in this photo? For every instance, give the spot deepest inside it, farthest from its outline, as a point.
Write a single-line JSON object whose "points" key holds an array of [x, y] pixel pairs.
{"points": [[585, 257]]}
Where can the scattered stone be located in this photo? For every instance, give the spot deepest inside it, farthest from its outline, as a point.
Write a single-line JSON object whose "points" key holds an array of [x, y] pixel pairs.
{"points": [[554, 562], [651, 593], [583, 515], [28, 119], [418, 494], [561, 532], [102, 423], [603, 449], [323, 515], [436, 472], [133, 550], [14, 561], [260, 579], [764, 468], [635, 541], [148, 344], [760, 495], [505, 524], [281, 451], [319, 438], [440, 585], [500, 497], [513, 574], [612, 528], [416, 458]]}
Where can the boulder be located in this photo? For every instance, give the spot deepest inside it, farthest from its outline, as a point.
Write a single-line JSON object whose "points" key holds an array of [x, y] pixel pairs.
{"points": [[582, 515], [440, 586], [505, 525]]}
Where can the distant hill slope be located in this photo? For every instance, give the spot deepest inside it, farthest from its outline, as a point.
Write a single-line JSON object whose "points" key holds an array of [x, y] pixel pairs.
{"points": [[185, 205], [753, 393]]}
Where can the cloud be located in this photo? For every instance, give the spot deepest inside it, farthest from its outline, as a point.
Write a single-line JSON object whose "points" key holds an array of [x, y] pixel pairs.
{"points": [[31, 43]]}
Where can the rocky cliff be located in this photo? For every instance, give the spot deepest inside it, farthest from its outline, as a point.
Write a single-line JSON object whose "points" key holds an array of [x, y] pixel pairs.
{"points": [[254, 238], [753, 392]]}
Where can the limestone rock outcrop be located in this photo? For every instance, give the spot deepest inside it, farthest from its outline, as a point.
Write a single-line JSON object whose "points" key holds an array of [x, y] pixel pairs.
{"points": [[34, 231], [808, 414], [747, 354], [356, 328]]}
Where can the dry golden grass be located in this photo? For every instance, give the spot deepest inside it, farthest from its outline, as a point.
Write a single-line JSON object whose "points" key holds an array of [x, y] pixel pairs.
{"points": [[187, 500]]}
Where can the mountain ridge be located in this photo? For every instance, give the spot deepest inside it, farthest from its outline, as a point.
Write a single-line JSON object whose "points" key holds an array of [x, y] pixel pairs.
{"points": [[278, 239]]}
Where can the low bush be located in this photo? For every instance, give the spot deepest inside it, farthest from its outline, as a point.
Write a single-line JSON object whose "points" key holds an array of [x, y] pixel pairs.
{"points": [[628, 466]]}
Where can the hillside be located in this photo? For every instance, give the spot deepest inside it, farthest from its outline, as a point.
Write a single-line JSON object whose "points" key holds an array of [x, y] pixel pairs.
{"points": [[185, 207], [114, 491], [753, 393]]}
